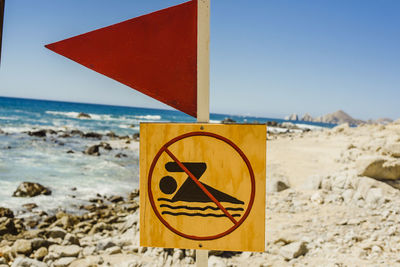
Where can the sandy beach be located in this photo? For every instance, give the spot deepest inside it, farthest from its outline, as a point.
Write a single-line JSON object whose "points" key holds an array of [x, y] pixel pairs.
{"points": [[331, 201]]}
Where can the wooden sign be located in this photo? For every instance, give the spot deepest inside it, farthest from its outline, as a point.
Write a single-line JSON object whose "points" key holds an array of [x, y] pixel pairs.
{"points": [[203, 186]]}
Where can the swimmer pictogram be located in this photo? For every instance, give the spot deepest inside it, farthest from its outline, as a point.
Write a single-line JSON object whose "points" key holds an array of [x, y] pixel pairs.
{"points": [[190, 192]]}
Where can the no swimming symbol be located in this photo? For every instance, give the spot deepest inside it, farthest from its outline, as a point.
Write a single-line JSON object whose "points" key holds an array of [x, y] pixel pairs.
{"points": [[190, 192], [195, 198]]}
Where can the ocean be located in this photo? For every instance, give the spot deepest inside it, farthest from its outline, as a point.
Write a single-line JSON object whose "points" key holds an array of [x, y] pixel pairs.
{"points": [[74, 178]]}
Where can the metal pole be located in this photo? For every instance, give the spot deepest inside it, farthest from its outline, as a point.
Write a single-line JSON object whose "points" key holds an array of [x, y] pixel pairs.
{"points": [[203, 83], [2, 4]]}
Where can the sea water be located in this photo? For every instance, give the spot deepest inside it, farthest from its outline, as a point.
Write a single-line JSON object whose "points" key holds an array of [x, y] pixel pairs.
{"points": [[74, 178]]}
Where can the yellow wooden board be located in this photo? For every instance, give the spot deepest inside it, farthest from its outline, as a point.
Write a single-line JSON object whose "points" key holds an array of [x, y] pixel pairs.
{"points": [[202, 186]]}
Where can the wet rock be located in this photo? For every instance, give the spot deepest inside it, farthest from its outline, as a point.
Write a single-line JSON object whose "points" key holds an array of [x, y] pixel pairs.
{"points": [[7, 226], [83, 115], [22, 246], [40, 133], [70, 152], [228, 120], [272, 123], [77, 132], [121, 155], [134, 194], [93, 135], [136, 136], [5, 212], [111, 135], [93, 150], [294, 250], [27, 262], [116, 199], [106, 146], [30, 206], [28, 189], [379, 168]]}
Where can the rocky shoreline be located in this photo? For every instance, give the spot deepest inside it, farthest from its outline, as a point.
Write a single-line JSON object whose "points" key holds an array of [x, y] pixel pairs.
{"points": [[332, 200]]}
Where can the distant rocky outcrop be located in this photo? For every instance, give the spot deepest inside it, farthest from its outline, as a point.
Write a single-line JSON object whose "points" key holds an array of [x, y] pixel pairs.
{"points": [[292, 117], [383, 121], [338, 117], [307, 117]]}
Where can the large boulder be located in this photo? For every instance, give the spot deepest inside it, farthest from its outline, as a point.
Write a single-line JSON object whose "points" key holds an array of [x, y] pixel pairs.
{"points": [[392, 150], [379, 168], [28, 189], [5, 212]]}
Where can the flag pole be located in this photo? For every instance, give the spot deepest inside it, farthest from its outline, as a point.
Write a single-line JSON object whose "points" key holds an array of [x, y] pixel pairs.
{"points": [[2, 4], [203, 83], [203, 61]]}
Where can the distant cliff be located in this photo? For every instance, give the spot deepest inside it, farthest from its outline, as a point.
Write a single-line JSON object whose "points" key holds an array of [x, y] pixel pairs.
{"points": [[337, 117]]}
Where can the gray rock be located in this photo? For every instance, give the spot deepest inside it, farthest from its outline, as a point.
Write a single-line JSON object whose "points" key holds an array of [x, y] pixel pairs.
{"points": [[317, 197], [88, 251], [65, 251], [105, 244], [294, 250], [39, 243], [40, 253], [71, 239], [113, 250], [26, 262], [312, 183], [99, 227], [348, 195], [28, 189], [22, 246], [130, 221], [375, 196], [64, 262], [56, 232], [277, 184]]}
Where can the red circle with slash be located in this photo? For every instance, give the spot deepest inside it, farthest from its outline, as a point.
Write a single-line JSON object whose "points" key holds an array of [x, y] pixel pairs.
{"points": [[242, 155]]}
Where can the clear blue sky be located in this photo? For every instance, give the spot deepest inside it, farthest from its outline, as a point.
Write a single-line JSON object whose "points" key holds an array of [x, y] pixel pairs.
{"points": [[268, 58]]}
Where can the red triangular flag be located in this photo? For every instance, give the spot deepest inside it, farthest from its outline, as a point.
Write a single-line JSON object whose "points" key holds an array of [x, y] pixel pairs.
{"points": [[155, 54]]}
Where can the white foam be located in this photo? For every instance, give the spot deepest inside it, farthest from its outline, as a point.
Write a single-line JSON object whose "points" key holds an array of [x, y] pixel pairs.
{"points": [[149, 117]]}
